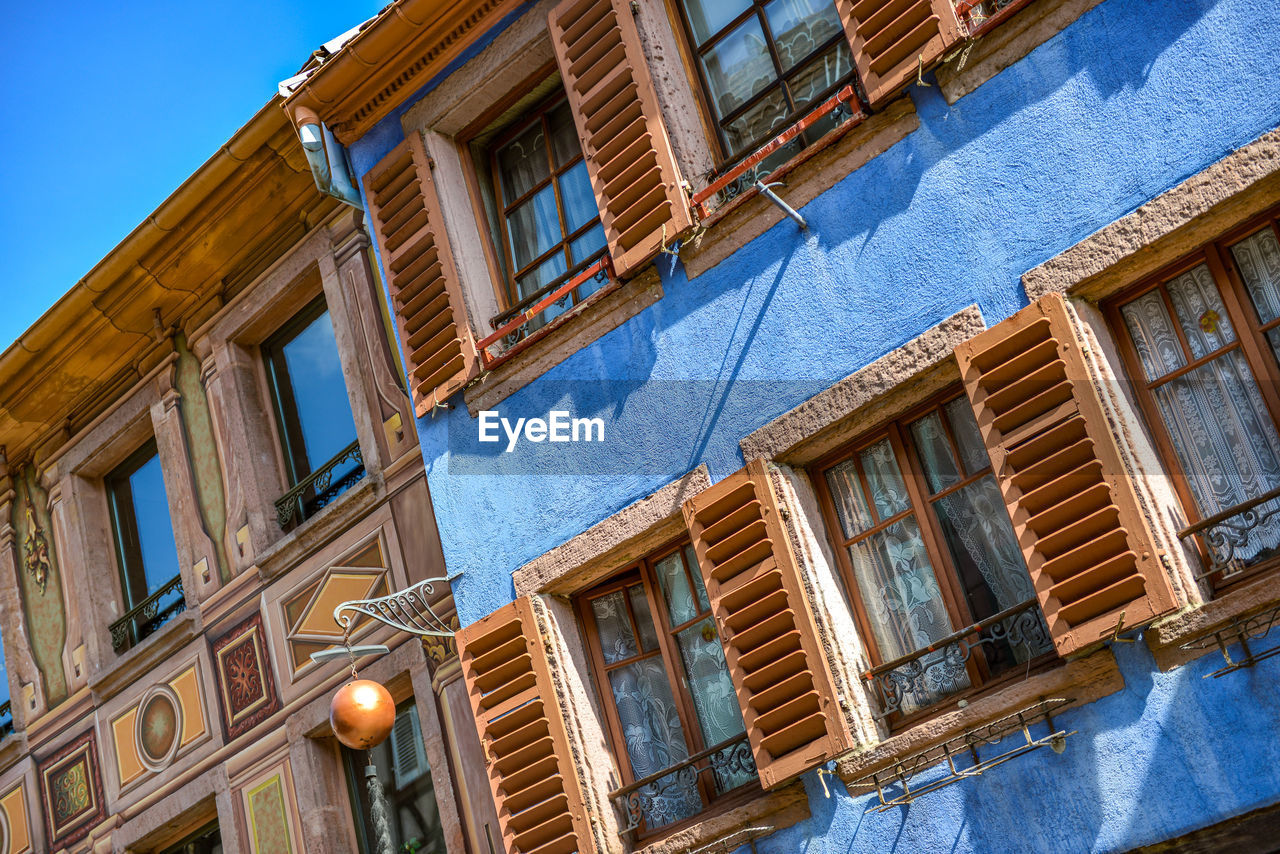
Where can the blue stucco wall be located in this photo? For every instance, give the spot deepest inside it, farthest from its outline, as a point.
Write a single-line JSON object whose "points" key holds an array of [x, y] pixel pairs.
{"points": [[1128, 101]]}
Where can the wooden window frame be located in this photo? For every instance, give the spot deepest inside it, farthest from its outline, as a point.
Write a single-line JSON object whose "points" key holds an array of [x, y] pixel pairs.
{"points": [[1250, 340], [193, 837], [124, 525], [691, 54], [642, 572], [921, 507], [280, 389], [536, 114]]}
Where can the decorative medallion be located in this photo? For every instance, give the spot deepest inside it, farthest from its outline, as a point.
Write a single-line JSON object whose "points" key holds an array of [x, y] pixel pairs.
{"points": [[72, 792], [246, 688], [158, 727], [309, 613]]}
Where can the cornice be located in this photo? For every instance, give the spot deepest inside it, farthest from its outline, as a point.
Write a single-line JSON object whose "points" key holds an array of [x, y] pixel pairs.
{"points": [[409, 43]]}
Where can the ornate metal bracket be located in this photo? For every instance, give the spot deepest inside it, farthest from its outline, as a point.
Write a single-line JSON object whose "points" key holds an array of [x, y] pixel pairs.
{"points": [[900, 775], [409, 610], [1240, 631]]}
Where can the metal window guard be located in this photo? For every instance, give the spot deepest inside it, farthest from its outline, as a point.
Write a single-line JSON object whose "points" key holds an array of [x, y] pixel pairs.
{"points": [[320, 486], [743, 176], [729, 756], [142, 620], [508, 325], [410, 610], [894, 683], [1240, 631], [6, 719], [1224, 536], [899, 776]]}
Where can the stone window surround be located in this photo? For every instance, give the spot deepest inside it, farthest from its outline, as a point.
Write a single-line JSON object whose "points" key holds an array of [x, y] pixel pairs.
{"points": [[593, 556], [883, 390], [331, 260], [1214, 201]]}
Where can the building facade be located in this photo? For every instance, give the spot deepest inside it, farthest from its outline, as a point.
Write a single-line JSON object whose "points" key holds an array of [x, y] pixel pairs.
{"points": [[831, 425], [918, 488], [208, 446]]}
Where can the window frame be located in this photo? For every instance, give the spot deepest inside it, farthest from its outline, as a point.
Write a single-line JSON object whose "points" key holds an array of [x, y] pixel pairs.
{"points": [[1250, 340], [122, 512], [535, 114], [641, 571], [280, 389], [722, 157], [950, 584]]}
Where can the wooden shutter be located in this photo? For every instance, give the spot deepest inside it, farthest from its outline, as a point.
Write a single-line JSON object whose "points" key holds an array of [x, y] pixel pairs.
{"points": [[1088, 548], [629, 158], [404, 211], [772, 649], [537, 792], [893, 40]]}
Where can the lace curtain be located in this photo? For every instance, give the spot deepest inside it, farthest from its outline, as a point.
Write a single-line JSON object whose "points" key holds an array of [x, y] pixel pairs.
{"points": [[1224, 438]]}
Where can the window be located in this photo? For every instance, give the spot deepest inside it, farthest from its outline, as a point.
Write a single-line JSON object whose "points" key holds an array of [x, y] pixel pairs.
{"points": [[541, 206], [146, 553], [206, 841], [405, 776], [762, 63], [317, 431], [1203, 341], [926, 546], [659, 666]]}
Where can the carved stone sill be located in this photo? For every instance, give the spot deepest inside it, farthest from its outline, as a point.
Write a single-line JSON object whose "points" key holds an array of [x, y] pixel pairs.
{"points": [[779, 809], [1165, 637], [586, 322], [1083, 680], [155, 650], [294, 547]]}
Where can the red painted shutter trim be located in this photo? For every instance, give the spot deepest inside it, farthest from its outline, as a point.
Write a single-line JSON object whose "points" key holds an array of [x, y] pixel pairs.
{"points": [[629, 157], [893, 39], [771, 645], [1082, 530], [431, 317], [523, 735]]}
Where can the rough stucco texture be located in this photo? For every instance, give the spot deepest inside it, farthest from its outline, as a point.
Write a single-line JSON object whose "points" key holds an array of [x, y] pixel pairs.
{"points": [[1126, 102]]}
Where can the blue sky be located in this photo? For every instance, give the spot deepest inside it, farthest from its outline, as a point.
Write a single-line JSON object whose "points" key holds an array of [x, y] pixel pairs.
{"points": [[111, 106]]}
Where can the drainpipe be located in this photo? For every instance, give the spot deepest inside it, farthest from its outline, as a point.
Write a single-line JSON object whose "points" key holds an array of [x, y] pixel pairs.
{"points": [[327, 158]]}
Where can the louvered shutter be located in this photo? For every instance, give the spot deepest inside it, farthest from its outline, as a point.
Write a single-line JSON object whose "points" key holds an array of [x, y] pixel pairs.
{"points": [[404, 212], [771, 646], [629, 158], [1090, 553], [408, 753], [893, 40], [537, 792]]}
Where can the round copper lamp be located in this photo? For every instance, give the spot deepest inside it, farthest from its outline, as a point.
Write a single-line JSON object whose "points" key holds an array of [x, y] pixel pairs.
{"points": [[362, 714]]}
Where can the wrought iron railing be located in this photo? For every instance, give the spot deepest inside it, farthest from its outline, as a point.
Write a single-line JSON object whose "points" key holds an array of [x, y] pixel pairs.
{"points": [[900, 683], [6, 719], [319, 488], [142, 620], [516, 323], [726, 761], [1238, 529]]}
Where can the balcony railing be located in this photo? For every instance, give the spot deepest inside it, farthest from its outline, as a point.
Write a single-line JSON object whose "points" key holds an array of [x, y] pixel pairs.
{"points": [[6, 719], [1239, 536], [516, 324], [143, 619], [319, 488], [726, 761], [901, 685]]}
